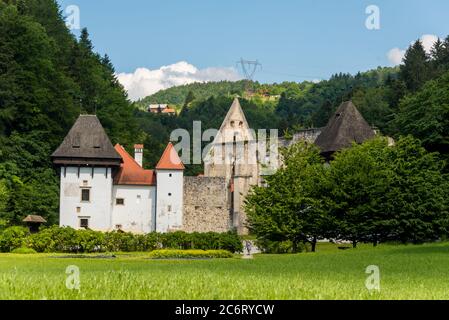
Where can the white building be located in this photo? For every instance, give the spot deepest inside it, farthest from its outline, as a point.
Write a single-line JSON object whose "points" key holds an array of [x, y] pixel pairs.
{"points": [[104, 188]]}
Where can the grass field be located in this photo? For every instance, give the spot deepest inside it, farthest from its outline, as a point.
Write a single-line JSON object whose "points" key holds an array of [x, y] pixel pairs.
{"points": [[407, 272]]}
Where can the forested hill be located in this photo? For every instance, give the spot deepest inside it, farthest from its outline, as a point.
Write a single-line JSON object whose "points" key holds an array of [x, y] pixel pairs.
{"points": [[203, 90], [200, 90], [48, 77], [304, 104]]}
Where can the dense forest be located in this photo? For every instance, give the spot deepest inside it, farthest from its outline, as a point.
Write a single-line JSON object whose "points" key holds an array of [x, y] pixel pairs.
{"points": [[48, 77]]}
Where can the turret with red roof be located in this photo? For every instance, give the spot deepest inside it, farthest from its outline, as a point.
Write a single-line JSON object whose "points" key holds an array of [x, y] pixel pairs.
{"points": [[170, 189]]}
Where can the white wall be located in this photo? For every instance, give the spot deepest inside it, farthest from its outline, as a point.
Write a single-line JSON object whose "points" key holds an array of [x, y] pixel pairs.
{"points": [[169, 220], [98, 209], [137, 215]]}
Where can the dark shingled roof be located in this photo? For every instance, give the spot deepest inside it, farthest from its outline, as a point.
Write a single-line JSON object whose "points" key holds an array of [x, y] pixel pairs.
{"points": [[345, 127], [86, 143]]}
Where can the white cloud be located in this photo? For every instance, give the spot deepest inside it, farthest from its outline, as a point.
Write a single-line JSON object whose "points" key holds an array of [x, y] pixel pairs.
{"points": [[427, 41], [144, 82], [396, 55]]}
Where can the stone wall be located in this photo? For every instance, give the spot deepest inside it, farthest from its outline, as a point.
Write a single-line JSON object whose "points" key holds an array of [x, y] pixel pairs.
{"points": [[206, 205], [308, 135]]}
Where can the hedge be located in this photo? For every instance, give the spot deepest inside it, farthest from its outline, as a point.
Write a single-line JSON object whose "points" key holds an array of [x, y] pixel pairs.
{"points": [[189, 254], [24, 250], [68, 240]]}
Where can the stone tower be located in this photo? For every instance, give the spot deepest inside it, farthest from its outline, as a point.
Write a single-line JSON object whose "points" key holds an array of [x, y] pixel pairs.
{"points": [[233, 155]]}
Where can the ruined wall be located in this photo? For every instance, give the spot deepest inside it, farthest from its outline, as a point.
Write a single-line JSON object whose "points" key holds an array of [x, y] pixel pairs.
{"points": [[308, 135], [206, 205]]}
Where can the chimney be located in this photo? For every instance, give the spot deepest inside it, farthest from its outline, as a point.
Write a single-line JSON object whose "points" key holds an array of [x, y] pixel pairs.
{"points": [[138, 153]]}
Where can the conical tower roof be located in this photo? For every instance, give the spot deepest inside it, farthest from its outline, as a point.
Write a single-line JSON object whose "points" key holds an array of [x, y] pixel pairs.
{"points": [[86, 144], [345, 127], [170, 160]]}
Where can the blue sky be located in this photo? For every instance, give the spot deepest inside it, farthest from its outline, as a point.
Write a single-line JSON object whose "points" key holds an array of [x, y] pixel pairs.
{"points": [[294, 40]]}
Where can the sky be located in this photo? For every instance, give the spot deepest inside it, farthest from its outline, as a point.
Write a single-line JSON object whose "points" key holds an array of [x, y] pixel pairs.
{"points": [[158, 44]]}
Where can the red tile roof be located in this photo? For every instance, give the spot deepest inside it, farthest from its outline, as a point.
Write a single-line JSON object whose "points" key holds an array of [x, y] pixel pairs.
{"points": [[170, 159], [131, 173], [169, 110]]}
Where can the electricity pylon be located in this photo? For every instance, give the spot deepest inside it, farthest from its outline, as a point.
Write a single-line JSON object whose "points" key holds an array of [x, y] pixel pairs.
{"points": [[249, 69]]}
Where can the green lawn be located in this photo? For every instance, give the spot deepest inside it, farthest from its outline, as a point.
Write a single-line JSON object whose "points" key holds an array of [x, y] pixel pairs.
{"points": [[407, 272]]}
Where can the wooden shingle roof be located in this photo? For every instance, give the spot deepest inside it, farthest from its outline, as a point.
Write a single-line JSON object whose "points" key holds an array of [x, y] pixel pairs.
{"points": [[34, 219], [345, 127], [86, 143]]}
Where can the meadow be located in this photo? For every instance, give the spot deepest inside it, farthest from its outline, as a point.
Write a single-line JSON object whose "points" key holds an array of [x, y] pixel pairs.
{"points": [[406, 271]]}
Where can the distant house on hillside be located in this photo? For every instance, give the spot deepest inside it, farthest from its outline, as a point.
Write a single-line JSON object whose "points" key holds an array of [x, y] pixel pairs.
{"points": [[161, 108]]}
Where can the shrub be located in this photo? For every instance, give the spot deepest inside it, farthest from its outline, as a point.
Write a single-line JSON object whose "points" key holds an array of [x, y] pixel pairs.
{"points": [[118, 241], [268, 246], [90, 241], [205, 241], [24, 250], [68, 240], [231, 241], [12, 238], [152, 241], [176, 240], [54, 239], [190, 254]]}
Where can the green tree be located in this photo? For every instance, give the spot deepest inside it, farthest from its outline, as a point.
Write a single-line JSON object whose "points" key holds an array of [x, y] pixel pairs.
{"points": [[416, 199], [415, 70], [387, 192], [425, 115], [360, 177], [295, 203]]}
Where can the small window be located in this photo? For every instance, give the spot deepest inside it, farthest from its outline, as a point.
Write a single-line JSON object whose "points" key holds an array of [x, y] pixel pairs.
{"points": [[139, 198], [78, 209], [232, 123], [169, 208], [170, 175], [118, 227], [84, 223], [85, 195], [85, 183], [120, 201], [241, 124], [169, 194]]}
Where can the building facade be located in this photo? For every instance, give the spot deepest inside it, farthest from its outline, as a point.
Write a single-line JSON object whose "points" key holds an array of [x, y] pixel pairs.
{"points": [[103, 187]]}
